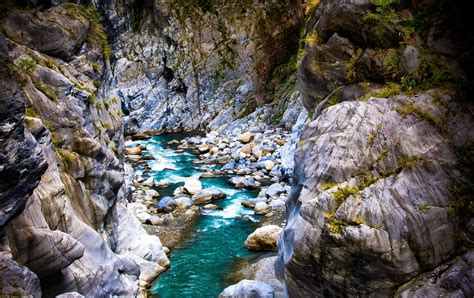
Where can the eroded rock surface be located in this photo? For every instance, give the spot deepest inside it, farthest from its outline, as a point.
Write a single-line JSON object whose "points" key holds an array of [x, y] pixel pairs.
{"points": [[368, 208]]}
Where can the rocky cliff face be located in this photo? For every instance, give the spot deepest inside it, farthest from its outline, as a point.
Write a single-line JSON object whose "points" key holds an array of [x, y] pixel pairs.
{"points": [[380, 172], [195, 64], [65, 129]]}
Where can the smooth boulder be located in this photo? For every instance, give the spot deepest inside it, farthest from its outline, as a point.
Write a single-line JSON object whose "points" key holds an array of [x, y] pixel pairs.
{"points": [[264, 238], [167, 204], [248, 288], [192, 186]]}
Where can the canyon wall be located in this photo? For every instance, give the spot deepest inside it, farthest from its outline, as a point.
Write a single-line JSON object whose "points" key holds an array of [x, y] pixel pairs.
{"points": [[381, 201], [62, 144]]}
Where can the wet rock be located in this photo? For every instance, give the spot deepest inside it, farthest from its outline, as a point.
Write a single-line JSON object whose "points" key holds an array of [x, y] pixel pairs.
{"points": [[207, 175], [264, 238], [238, 182], [248, 288], [192, 186], [150, 182], [207, 195], [410, 59], [167, 204], [212, 207], [162, 184]]}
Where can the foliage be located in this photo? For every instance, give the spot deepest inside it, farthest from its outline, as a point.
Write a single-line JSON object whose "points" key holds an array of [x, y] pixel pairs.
{"points": [[328, 184], [28, 64], [390, 89], [336, 226], [311, 6], [96, 34], [46, 90], [437, 121], [343, 192]]}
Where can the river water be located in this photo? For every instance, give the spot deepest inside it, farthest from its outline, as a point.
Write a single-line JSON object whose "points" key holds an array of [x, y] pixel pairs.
{"points": [[200, 264]]}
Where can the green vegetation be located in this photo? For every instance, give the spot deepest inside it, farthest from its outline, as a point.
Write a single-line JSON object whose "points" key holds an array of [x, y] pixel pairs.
{"points": [[408, 162], [91, 99], [311, 6], [389, 90], [99, 106], [437, 121], [31, 112], [373, 136], [343, 192], [336, 226], [97, 84], [312, 39], [46, 90], [423, 207], [96, 34], [28, 64], [328, 184]]}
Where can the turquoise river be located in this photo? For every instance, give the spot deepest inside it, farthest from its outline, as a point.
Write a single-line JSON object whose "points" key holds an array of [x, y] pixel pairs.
{"points": [[200, 264]]}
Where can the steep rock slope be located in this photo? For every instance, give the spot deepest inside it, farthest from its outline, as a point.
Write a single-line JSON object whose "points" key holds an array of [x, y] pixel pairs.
{"points": [[72, 231], [193, 64], [380, 196]]}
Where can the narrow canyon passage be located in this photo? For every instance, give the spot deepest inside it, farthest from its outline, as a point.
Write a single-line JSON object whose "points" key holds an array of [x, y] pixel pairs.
{"points": [[205, 256]]}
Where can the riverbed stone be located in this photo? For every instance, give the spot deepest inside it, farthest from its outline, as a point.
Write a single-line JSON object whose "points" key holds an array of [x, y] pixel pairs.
{"points": [[246, 137], [264, 238], [133, 151], [167, 204], [261, 208], [184, 202], [192, 186], [206, 196], [275, 190], [248, 288]]}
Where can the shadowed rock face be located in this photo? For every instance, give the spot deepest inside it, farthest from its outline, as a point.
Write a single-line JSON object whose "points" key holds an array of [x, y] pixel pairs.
{"points": [[21, 165], [65, 35], [21, 161]]}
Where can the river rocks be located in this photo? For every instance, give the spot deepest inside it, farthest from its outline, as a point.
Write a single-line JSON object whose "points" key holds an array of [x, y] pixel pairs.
{"points": [[167, 204], [150, 182], [133, 151], [207, 195], [264, 238], [192, 186], [211, 207], [275, 190], [238, 182], [261, 208], [162, 184], [248, 288], [246, 137], [184, 202]]}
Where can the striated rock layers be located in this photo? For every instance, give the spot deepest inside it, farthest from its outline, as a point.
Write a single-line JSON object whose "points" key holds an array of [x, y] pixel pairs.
{"points": [[62, 144], [376, 200], [187, 64]]}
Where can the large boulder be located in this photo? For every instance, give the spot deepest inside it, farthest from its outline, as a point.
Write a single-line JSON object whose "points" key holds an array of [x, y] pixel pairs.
{"points": [[192, 186], [248, 288], [264, 238], [167, 204], [275, 190], [206, 196]]}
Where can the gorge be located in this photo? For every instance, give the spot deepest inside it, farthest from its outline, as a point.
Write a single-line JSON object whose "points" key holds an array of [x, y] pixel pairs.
{"points": [[253, 148]]}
